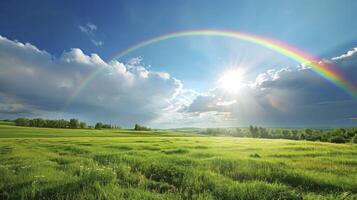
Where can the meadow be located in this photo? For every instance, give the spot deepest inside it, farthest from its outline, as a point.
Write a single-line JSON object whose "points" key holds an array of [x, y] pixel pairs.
{"points": [[43, 163]]}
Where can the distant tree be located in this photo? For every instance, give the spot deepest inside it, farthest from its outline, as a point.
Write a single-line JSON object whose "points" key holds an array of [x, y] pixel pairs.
{"points": [[312, 135], [337, 139], [98, 125], [254, 131], [274, 133], [31, 123], [82, 125], [73, 123], [137, 127], [294, 134], [340, 131], [63, 123], [106, 126], [21, 122], [51, 123], [238, 133], [286, 133], [38, 122], [308, 131], [350, 133], [263, 133]]}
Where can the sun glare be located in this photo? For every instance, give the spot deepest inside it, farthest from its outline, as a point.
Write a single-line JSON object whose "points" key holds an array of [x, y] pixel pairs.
{"points": [[231, 80]]}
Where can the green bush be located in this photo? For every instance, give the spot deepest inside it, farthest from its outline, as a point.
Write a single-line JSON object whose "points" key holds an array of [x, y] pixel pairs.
{"points": [[337, 139]]}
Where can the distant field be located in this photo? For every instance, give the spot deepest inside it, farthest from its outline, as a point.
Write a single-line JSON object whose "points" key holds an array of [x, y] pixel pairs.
{"points": [[39, 163], [10, 131], [6, 123]]}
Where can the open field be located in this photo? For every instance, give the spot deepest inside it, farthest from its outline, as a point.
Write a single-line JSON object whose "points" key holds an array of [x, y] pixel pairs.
{"points": [[44, 163]]}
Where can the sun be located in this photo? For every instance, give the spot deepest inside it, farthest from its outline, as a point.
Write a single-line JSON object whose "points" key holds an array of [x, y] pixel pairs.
{"points": [[231, 80]]}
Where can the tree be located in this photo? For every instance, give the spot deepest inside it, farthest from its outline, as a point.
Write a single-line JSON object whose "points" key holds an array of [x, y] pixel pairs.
{"points": [[38, 122], [263, 133], [106, 126], [82, 125], [286, 133], [311, 135], [308, 131], [294, 134], [337, 139], [98, 125], [21, 122], [254, 131], [137, 127], [63, 123], [73, 123]]}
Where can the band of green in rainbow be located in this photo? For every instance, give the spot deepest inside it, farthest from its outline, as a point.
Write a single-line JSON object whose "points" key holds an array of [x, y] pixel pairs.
{"points": [[325, 70]]}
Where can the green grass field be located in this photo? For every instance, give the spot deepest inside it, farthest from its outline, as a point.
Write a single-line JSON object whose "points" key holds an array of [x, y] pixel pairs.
{"points": [[39, 163]]}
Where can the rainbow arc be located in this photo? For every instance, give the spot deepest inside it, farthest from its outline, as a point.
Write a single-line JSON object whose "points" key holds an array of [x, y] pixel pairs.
{"points": [[324, 69]]}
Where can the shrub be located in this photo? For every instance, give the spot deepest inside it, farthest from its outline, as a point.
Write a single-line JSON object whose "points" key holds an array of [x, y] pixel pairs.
{"points": [[255, 155], [337, 139]]}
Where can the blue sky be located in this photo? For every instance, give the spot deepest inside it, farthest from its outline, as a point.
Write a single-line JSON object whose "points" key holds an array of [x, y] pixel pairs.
{"points": [[322, 28], [316, 26]]}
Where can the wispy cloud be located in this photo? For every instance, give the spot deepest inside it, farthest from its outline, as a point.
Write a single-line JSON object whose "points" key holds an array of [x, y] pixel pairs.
{"points": [[97, 43], [89, 29]]}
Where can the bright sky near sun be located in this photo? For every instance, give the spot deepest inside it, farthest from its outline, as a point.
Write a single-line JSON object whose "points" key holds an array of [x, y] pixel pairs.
{"points": [[200, 79]]}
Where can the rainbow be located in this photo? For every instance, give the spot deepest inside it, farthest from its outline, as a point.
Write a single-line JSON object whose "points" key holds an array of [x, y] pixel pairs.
{"points": [[325, 70]]}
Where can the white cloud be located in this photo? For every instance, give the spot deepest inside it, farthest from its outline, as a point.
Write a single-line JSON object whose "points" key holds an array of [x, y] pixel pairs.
{"points": [[289, 96], [349, 54], [34, 82], [117, 94]]}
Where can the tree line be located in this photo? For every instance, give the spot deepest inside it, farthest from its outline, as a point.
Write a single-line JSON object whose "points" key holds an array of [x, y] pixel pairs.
{"points": [[59, 123], [338, 135]]}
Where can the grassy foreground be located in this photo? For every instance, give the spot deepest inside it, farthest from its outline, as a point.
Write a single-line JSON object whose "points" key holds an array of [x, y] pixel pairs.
{"points": [[44, 163]]}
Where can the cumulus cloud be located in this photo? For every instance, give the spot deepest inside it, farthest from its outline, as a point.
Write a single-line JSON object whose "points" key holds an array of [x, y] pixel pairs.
{"points": [[289, 97], [89, 29], [34, 80]]}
